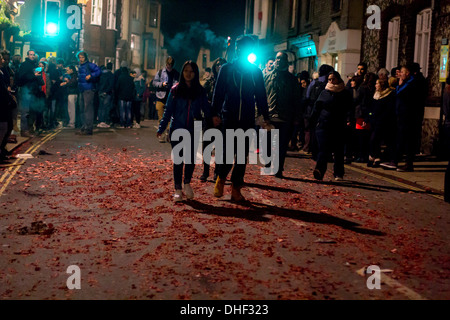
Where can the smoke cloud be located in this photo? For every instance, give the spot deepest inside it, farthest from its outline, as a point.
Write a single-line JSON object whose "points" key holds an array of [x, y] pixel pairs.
{"points": [[185, 45]]}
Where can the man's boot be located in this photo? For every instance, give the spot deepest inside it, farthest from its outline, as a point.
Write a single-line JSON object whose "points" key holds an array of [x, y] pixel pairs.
{"points": [[218, 188], [236, 193]]}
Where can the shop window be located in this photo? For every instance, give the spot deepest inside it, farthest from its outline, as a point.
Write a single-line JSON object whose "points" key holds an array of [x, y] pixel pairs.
{"points": [[422, 43], [392, 43]]}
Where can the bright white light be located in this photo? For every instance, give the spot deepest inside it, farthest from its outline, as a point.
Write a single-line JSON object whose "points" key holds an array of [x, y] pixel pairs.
{"points": [[251, 58], [52, 28]]}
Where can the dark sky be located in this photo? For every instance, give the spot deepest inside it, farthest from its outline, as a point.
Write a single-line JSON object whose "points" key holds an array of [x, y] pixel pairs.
{"points": [[225, 17]]}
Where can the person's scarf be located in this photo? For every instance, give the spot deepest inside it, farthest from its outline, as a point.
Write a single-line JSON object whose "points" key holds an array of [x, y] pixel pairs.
{"points": [[382, 94], [335, 87]]}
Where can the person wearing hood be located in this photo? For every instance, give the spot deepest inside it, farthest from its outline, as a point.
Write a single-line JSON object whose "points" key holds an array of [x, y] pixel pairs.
{"points": [[105, 94], [382, 122], [239, 87], [330, 113], [283, 95]]}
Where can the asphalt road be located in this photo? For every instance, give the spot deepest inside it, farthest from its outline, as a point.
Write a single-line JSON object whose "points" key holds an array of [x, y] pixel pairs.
{"points": [[105, 206]]}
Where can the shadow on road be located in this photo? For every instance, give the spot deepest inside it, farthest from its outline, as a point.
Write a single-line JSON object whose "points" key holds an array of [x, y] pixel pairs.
{"points": [[359, 185], [256, 212]]}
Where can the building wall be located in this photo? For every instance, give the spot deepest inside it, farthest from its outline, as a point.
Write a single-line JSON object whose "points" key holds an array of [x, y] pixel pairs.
{"points": [[272, 23], [99, 42]]}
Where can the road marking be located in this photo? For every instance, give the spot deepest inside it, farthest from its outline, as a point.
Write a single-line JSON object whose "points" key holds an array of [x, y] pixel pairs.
{"points": [[403, 185], [410, 294], [10, 172]]}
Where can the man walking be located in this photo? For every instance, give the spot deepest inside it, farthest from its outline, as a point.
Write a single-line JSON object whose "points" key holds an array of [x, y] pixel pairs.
{"points": [[27, 80], [88, 73], [283, 95], [239, 87]]}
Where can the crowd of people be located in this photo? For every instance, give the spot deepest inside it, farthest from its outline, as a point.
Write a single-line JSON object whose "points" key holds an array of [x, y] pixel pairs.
{"points": [[374, 118], [47, 93]]}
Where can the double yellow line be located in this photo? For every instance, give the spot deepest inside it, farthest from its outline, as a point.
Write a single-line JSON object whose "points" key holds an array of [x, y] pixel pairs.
{"points": [[15, 166]]}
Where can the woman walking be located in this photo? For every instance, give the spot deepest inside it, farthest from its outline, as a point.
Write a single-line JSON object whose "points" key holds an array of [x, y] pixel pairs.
{"points": [[185, 104], [330, 111]]}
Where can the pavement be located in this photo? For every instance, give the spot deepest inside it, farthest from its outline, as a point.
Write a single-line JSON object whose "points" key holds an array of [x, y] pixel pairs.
{"points": [[428, 174]]}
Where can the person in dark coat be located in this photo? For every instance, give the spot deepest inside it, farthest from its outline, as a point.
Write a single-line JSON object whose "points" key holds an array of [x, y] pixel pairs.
{"points": [[27, 80], [6, 107], [239, 87], [126, 92], [408, 107], [363, 107], [209, 86], [330, 113], [382, 123], [105, 94], [283, 95]]}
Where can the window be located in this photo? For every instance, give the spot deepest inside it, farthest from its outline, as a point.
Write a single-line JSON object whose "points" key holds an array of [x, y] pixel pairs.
{"points": [[335, 61], [336, 6], [151, 54], [153, 15], [309, 12], [392, 43], [422, 44], [96, 12], [111, 16], [293, 10], [136, 12], [135, 45]]}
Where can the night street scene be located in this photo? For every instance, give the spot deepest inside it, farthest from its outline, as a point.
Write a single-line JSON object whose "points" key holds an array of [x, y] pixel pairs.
{"points": [[224, 159]]}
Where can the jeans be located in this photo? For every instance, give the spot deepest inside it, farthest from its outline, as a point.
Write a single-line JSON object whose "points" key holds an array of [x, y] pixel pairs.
{"points": [[188, 168], [71, 107], [104, 110], [87, 108], [125, 113]]}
